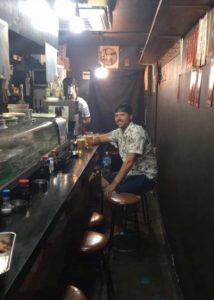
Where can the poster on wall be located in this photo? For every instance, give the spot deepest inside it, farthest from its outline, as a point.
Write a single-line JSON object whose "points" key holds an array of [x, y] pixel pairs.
{"points": [[192, 87], [179, 86], [198, 88], [211, 83], [200, 55], [190, 49], [109, 56], [146, 79], [211, 35]]}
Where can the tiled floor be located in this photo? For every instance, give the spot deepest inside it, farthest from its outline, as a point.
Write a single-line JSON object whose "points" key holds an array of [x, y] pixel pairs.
{"points": [[152, 278]]}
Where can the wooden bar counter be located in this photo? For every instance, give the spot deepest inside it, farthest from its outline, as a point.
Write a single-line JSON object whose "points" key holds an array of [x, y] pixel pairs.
{"points": [[56, 222]]}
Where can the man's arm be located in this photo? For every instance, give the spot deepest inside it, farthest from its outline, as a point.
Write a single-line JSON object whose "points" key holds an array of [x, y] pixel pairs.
{"points": [[86, 120], [126, 166], [101, 138]]}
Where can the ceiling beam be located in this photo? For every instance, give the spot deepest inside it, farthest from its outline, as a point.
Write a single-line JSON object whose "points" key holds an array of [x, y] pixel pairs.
{"points": [[151, 28], [193, 6]]}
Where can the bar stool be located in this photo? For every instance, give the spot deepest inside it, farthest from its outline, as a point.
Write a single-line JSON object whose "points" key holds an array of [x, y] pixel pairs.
{"points": [[73, 293], [95, 243], [95, 220], [124, 201]]}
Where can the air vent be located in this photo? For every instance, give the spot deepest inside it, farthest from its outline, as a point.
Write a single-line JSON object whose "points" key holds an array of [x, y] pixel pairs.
{"points": [[95, 18]]}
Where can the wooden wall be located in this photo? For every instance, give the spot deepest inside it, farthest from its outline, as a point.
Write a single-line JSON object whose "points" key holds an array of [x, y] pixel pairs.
{"points": [[185, 151]]}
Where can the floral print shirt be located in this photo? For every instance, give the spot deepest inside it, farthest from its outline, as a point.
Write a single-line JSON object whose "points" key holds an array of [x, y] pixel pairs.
{"points": [[135, 140]]}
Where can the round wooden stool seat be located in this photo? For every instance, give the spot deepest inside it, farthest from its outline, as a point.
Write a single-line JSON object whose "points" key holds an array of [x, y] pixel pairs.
{"points": [[93, 242], [95, 220], [73, 293], [124, 199]]}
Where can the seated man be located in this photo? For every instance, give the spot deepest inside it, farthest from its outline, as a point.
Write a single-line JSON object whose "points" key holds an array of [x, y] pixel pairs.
{"points": [[139, 167]]}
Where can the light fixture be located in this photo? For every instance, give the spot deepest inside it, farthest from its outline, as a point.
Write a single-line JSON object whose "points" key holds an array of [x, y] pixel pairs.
{"points": [[76, 23], [64, 9], [101, 72], [40, 13]]}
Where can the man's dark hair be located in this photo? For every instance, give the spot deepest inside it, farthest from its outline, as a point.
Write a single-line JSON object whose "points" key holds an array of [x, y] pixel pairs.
{"points": [[124, 107]]}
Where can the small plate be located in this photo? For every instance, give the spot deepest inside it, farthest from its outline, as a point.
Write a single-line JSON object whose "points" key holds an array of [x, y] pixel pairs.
{"points": [[7, 241]]}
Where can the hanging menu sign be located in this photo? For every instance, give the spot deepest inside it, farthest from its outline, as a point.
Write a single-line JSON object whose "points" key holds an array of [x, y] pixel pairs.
{"points": [[190, 51], [200, 55], [198, 88], [192, 87], [211, 83], [211, 35]]}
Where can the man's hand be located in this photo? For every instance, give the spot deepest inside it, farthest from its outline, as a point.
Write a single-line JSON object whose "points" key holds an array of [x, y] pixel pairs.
{"points": [[109, 189]]}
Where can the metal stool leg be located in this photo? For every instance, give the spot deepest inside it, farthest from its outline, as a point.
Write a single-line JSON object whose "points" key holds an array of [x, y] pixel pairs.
{"points": [[111, 232], [107, 273], [145, 208], [137, 228]]}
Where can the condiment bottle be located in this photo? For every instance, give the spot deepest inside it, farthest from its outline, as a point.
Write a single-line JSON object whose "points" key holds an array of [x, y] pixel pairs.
{"points": [[44, 168], [54, 156], [6, 207], [24, 189]]}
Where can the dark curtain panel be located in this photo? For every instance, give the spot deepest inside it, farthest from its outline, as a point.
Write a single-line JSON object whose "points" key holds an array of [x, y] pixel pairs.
{"points": [[106, 94]]}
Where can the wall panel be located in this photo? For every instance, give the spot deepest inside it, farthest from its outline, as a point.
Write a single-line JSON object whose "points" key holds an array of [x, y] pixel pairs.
{"points": [[185, 147]]}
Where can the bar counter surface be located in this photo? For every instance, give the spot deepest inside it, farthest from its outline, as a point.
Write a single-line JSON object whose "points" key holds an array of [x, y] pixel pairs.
{"points": [[44, 212]]}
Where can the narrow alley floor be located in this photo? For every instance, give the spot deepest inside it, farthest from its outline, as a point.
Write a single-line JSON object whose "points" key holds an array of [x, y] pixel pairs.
{"points": [[152, 278]]}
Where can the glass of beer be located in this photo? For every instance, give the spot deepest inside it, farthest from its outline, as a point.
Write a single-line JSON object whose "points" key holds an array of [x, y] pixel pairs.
{"points": [[80, 145], [89, 140]]}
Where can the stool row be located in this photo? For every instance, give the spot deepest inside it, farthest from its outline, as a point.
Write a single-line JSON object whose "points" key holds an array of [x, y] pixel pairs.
{"points": [[93, 243], [96, 243]]}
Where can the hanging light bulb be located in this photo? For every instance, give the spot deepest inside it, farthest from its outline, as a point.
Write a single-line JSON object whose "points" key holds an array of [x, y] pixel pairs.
{"points": [[101, 72]]}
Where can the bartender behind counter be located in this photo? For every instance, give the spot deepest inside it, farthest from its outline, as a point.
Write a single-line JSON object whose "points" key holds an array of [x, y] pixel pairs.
{"points": [[71, 92], [13, 95]]}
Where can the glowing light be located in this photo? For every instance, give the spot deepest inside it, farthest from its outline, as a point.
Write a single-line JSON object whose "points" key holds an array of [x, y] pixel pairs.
{"points": [[76, 24], [64, 9], [101, 72], [40, 15]]}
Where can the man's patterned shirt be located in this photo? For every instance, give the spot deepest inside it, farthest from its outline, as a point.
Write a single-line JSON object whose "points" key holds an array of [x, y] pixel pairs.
{"points": [[136, 140]]}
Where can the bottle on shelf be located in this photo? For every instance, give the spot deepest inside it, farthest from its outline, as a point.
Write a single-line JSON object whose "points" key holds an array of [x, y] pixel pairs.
{"points": [[54, 158], [106, 163], [6, 206], [51, 165]]}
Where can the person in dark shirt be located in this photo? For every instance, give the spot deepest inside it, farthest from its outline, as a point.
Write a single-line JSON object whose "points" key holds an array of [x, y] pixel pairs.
{"points": [[67, 83], [13, 96]]}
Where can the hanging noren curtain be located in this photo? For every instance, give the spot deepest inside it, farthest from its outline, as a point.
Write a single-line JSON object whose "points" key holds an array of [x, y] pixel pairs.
{"points": [[105, 95]]}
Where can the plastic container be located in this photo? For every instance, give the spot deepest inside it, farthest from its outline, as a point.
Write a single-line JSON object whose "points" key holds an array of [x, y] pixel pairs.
{"points": [[106, 163], [6, 206]]}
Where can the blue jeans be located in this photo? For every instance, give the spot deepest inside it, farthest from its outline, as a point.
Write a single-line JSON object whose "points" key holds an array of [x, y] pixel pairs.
{"points": [[136, 184]]}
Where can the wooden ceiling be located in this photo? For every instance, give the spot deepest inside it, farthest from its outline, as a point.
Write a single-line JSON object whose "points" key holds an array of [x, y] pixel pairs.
{"points": [[153, 26]]}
